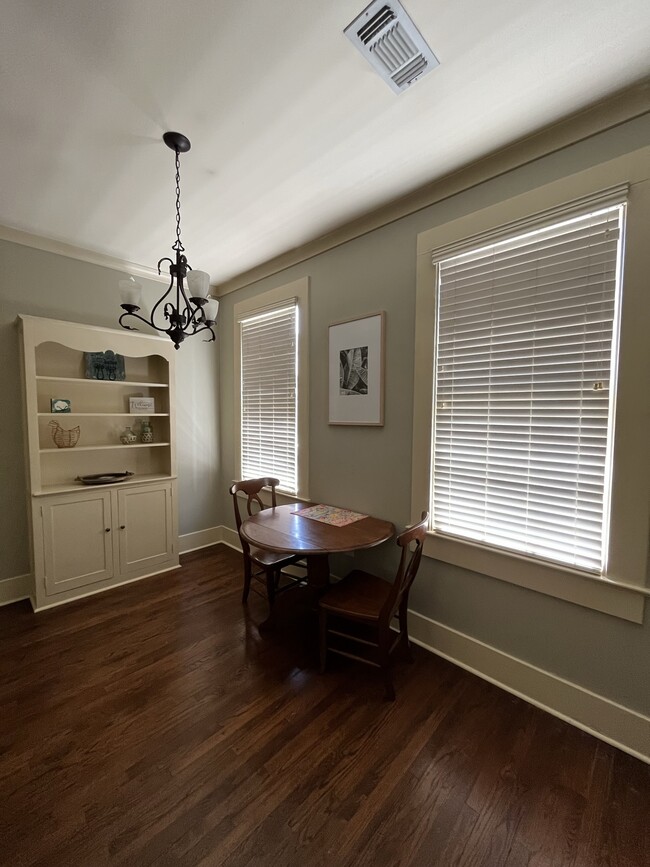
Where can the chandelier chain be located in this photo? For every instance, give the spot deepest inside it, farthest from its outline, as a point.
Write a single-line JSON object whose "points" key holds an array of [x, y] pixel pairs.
{"points": [[178, 245]]}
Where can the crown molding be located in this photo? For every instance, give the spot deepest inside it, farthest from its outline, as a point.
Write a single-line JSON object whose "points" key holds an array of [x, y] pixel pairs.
{"points": [[608, 113], [93, 257]]}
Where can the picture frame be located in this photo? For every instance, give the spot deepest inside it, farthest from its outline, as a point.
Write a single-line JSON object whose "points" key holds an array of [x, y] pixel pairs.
{"points": [[105, 365], [356, 371], [60, 405], [142, 405]]}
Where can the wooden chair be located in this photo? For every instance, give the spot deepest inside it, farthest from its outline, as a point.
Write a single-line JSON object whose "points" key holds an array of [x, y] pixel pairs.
{"points": [[356, 614], [262, 566]]}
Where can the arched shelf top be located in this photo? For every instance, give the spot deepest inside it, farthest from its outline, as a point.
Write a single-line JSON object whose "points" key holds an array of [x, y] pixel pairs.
{"points": [[93, 338]]}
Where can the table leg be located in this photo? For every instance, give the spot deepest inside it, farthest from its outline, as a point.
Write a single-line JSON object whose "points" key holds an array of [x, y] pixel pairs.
{"points": [[318, 579], [318, 571]]}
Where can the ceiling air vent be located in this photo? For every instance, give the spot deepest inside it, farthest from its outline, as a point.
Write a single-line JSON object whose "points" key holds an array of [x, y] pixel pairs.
{"points": [[391, 42]]}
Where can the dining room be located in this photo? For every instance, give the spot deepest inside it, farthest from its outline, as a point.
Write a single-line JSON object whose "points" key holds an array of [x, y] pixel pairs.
{"points": [[498, 728], [361, 575]]}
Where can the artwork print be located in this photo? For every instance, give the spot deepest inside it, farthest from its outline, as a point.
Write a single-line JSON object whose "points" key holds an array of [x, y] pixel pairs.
{"points": [[356, 371], [105, 365], [353, 378]]}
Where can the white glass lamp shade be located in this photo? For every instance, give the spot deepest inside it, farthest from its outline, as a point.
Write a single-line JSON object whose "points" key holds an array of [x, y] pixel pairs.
{"points": [[131, 292], [211, 309], [198, 282]]}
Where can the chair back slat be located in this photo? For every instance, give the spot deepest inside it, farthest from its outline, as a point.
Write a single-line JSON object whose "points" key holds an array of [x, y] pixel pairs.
{"points": [[408, 567], [254, 504]]}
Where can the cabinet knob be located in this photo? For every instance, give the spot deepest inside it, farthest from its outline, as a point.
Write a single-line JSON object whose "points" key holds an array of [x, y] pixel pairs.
{"points": [[122, 526], [108, 529]]}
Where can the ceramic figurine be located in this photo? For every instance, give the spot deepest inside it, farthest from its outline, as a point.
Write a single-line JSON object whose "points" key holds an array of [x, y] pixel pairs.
{"points": [[128, 437]]}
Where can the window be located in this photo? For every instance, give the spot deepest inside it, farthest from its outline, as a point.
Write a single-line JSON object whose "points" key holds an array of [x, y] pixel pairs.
{"points": [[271, 386], [524, 354], [534, 473], [269, 398]]}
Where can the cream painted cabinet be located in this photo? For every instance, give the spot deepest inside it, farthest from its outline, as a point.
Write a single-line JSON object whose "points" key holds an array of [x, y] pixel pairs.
{"points": [[77, 540], [144, 525], [87, 538]]}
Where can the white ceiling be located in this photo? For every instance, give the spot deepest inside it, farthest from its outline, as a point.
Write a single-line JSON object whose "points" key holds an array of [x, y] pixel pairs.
{"points": [[292, 132]]}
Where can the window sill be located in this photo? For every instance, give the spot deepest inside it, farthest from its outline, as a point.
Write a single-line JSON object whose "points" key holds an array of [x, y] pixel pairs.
{"points": [[624, 601], [284, 499]]}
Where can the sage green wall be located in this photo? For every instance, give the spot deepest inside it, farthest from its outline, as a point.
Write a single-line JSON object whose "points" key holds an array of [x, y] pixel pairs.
{"points": [[44, 284], [369, 469]]}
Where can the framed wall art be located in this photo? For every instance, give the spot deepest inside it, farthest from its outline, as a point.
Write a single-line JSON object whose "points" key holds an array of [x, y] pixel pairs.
{"points": [[356, 371]]}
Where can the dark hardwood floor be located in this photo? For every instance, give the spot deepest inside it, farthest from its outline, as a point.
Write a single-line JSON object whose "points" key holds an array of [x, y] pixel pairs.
{"points": [[155, 725]]}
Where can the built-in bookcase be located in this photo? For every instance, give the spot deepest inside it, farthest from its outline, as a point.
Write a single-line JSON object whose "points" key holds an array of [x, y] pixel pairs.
{"points": [[55, 368]]}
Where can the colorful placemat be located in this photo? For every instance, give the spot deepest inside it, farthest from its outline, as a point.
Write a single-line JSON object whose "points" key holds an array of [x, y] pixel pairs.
{"points": [[330, 515]]}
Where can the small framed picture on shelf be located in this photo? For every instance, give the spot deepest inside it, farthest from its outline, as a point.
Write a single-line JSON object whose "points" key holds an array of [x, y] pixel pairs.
{"points": [[142, 405], [60, 404], [105, 365]]}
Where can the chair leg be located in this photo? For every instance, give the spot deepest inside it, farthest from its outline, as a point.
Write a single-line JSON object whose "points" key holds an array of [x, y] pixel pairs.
{"points": [[270, 586], [403, 629], [247, 581], [322, 619]]}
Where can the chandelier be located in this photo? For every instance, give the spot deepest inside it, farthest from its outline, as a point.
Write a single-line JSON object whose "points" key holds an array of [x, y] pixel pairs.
{"points": [[178, 316]]}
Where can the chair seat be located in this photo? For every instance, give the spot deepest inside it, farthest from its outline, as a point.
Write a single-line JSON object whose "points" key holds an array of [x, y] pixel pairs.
{"points": [[360, 595], [266, 558]]}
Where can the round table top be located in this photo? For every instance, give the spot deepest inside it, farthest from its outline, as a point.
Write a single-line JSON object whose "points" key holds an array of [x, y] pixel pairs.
{"points": [[280, 529]]}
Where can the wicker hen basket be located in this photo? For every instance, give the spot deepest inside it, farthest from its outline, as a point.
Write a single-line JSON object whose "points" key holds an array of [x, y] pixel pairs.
{"points": [[64, 439]]}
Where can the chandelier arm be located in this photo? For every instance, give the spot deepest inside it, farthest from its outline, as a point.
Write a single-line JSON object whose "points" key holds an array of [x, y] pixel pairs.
{"points": [[141, 318], [193, 321], [188, 312], [206, 328], [161, 299]]}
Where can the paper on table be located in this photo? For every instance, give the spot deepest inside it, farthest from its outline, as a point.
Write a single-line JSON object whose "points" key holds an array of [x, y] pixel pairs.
{"points": [[330, 515]]}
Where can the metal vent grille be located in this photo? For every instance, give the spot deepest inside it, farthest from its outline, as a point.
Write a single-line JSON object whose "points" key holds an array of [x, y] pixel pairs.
{"points": [[392, 44], [376, 23]]}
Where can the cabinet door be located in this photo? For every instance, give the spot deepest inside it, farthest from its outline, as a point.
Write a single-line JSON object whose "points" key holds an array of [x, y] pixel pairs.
{"points": [[78, 543], [145, 527]]}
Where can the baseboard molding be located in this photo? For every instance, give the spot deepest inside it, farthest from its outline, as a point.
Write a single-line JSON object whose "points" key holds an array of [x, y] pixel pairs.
{"points": [[199, 539], [230, 538], [601, 717], [15, 589], [205, 538]]}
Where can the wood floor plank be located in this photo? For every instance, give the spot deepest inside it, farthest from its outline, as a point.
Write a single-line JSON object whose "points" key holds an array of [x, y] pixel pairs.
{"points": [[158, 724]]}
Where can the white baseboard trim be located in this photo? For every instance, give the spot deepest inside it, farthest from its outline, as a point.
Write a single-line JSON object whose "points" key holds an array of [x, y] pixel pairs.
{"points": [[199, 539], [230, 538], [605, 719], [14, 589], [206, 538]]}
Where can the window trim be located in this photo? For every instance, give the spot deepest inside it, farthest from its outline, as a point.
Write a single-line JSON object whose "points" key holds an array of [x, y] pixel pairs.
{"points": [[298, 290], [623, 595]]}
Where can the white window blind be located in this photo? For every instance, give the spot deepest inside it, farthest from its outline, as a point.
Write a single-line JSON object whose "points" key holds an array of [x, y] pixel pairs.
{"points": [[524, 370], [269, 395]]}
